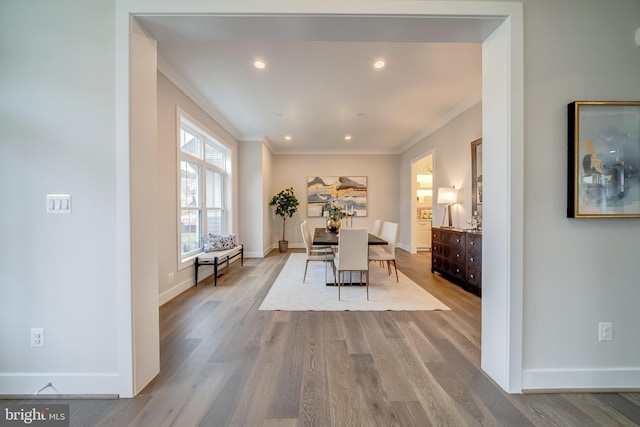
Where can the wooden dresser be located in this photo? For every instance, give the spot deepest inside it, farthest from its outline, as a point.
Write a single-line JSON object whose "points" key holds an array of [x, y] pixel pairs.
{"points": [[457, 255]]}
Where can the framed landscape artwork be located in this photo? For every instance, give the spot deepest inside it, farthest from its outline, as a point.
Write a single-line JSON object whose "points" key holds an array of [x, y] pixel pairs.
{"points": [[604, 159], [350, 192]]}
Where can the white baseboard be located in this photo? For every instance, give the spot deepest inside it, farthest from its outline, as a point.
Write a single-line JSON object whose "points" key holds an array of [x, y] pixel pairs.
{"points": [[404, 247], [170, 294], [258, 254], [204, 272], [64, 384], [583, 380]]}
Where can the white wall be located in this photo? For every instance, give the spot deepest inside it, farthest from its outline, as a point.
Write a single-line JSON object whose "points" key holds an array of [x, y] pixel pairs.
{"points": [[382, 172], [57, 132], [451, 166], [578, 272], [267, 194], [251, 197], [170, 97], [144, 198]]}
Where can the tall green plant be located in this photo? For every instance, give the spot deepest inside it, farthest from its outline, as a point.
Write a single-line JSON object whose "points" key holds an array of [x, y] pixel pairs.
{"points": [[285, 204]]}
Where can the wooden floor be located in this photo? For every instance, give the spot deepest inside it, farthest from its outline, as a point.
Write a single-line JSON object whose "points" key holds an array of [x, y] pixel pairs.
{"points": [[225, 363]]}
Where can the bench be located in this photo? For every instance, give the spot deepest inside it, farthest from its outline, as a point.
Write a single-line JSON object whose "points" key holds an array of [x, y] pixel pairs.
{"points": [[218, 258]]}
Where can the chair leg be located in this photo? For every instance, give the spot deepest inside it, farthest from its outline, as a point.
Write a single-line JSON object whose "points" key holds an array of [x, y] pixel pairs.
{"points": [[366, 276], [396, 268], [338, 285], [305, 271], [333, 267]]}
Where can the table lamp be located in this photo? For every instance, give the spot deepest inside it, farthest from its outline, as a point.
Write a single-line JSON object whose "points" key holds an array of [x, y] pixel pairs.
{"points": [[447, 196]]}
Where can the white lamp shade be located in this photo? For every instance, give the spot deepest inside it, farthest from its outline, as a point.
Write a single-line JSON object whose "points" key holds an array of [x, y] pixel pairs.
{"points": [[447, 195]]}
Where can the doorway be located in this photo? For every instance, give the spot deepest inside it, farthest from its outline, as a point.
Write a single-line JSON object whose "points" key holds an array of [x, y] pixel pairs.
{"points": [[422, 203], [503, 131]]}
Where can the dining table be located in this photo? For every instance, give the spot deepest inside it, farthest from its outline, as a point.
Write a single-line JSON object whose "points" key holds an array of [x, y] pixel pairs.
{"points": [[325, 237]]}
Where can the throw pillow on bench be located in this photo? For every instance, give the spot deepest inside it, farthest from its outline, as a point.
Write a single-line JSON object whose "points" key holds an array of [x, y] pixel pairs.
{"points": [[219, 242]]}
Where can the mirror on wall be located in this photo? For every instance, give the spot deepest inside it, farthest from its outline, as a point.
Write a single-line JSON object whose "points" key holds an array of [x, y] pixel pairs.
{"points": [[476, 176]]}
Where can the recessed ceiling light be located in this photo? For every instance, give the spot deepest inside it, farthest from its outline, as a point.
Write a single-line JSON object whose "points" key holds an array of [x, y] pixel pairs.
{"points": [[259, 64], [288, 137], [347, 138], [378, 64]]}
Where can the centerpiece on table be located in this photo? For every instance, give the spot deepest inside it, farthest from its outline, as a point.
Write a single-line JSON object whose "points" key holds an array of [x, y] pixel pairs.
{"points": [[334, 214]]}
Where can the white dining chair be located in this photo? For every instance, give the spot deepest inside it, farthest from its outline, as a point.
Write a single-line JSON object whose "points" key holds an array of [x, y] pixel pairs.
{"points": [[353, 250], [377, 226], [386, 253], [315, 253]]}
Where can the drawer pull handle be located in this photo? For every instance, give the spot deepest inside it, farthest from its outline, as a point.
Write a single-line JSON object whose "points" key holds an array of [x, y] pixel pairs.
{"points": [[457, 270], [471, 259], [473, 243], [472, 276], [457, 255]]}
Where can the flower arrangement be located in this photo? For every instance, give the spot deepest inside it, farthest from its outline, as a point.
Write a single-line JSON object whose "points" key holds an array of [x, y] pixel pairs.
{"points": [[333, 211]]}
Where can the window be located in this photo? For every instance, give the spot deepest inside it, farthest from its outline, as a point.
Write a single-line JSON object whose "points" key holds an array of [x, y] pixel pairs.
{"points": [[203, 180]]}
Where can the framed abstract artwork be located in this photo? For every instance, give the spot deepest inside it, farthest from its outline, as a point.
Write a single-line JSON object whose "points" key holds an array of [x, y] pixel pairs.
{"points": [[349, 192], [604, 159]]}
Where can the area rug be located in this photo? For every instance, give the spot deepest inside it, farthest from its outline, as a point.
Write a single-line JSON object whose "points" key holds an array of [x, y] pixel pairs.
{"points": [[288, 293]]}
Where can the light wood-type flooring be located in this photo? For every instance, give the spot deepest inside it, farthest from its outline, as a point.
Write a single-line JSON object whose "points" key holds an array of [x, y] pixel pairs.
{"points": [[225, 363]]}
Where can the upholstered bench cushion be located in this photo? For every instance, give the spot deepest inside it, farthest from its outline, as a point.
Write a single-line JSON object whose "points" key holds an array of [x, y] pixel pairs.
{"points": [[221, 255]]}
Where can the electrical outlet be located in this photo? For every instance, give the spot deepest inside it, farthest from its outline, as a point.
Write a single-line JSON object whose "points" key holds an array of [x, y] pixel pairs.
{"points": [[170, 277], [37, 337], [605, 331]]}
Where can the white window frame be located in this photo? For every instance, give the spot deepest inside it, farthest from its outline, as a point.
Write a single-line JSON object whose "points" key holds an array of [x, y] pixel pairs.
{"points": [[183, 119]]}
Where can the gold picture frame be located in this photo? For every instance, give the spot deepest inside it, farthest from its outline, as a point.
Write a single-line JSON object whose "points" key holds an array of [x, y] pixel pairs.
{"points": [[476, 176], [604, 159]]}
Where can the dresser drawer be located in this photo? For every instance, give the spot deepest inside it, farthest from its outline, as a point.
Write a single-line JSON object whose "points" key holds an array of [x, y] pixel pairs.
{"points": [[474, 242], [453, 268], [474, 260], [456, 239], [474, 278]]}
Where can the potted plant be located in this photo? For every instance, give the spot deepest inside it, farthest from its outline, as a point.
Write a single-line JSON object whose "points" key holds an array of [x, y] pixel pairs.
{"points": [[334, 215], [285, 204]]}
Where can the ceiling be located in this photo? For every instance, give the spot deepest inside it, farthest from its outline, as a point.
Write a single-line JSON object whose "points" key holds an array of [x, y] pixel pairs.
{"points": [[319, 83]]}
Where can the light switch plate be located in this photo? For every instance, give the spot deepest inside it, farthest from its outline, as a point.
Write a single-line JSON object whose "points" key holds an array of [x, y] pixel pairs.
{"points": [[605, 331], [58, 204]]}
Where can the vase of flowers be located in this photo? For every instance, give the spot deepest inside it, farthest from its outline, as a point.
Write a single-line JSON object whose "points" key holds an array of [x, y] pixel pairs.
{"points": [[334, 214]]}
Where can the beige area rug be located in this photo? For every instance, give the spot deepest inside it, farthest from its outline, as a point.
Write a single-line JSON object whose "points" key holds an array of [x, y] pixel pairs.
{"points": [[290, 294]]}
